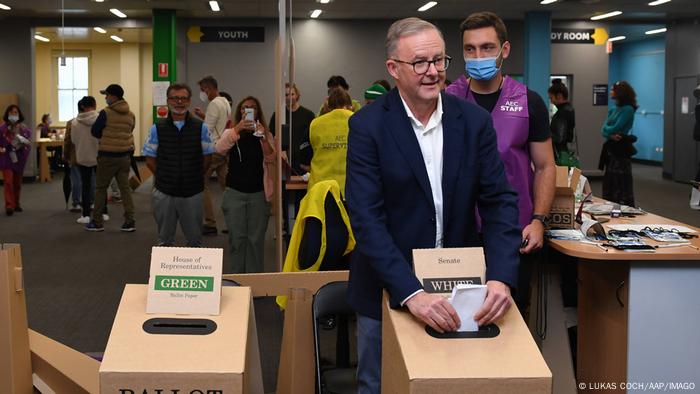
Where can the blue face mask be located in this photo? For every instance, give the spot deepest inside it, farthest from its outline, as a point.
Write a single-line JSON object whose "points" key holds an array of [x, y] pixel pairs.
{"points": [[482, 69]]}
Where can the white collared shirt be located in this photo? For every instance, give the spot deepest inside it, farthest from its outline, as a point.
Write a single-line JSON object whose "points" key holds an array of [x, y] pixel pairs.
{"points": [[430, 141]]}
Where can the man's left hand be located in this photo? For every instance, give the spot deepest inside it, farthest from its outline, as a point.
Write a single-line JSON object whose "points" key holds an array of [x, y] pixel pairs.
{"points": [[496, 303], [534, 234]]}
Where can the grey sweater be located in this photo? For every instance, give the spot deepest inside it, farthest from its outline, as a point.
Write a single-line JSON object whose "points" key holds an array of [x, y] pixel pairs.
{"points": [[85, 144]]}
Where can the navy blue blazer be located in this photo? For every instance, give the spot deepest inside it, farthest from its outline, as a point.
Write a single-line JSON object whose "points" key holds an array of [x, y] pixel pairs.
{"points": [[391, 205]]}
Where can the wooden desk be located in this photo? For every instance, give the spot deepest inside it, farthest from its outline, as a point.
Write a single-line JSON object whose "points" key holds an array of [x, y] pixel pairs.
{"points": [[44, 170], [638, 313]]}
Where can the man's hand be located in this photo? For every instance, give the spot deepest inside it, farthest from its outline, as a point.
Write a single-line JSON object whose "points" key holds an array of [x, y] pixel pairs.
{"points": [[199, 112], [496, 303], [534, 234], [435, 311]]}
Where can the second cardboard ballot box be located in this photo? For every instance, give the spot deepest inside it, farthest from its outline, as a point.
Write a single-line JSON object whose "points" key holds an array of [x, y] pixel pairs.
{"points": [[182, 353], [501, 360]]}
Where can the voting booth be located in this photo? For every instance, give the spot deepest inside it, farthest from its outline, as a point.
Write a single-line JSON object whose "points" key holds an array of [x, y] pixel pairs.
{"points": [[502, 358]]}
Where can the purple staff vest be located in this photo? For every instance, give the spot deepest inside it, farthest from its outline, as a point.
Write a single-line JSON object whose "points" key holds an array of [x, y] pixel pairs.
{"points": [[511, 121]]}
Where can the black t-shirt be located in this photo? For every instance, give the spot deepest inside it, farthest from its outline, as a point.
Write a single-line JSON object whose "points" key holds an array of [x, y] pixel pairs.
{"points": [[301, 148], [538, 115], [245, 165]]}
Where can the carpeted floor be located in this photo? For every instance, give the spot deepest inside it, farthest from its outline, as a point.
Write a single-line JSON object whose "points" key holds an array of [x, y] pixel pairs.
{"points": [[74, 279]]}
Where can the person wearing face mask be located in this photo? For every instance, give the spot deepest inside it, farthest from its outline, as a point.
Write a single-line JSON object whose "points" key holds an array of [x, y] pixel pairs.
{"points": [[14, 151], [114, 127], [216, 118], [521, 120], [250, 147], [178, 150]]}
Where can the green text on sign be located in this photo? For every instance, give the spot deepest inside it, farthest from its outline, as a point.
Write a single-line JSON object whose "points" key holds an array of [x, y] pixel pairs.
{"points": [[185, 283]]}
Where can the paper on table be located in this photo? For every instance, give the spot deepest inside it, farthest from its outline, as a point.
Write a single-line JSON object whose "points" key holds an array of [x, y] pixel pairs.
{"points": [[467, 299], [640, 227]]}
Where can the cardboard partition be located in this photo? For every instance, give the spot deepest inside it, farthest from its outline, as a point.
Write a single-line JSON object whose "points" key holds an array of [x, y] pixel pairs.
{"points": [[563, 211], [226, 359], [15, 360]]}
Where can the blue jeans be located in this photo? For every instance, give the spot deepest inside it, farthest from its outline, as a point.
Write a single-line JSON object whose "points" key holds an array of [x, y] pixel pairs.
{"points": [[369, 355]]}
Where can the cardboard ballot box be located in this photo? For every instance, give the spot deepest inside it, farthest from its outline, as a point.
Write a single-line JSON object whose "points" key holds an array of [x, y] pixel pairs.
{"points": [[563, 211], [224, 361], [500, 359]]}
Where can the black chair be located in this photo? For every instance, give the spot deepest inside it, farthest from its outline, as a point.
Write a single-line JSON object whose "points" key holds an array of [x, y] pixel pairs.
{"points": [[330, 303]]}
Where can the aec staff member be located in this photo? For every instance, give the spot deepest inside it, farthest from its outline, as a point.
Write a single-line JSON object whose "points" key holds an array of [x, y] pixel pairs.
{"points": [[418, 164]]}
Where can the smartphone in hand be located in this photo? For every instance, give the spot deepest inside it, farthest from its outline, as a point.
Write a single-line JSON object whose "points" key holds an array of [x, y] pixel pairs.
{"points": [[249, 114]]}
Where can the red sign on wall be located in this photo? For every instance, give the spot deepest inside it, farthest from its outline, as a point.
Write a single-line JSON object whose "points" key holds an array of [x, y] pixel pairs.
{"points": [[162, 70], [162, 112]]}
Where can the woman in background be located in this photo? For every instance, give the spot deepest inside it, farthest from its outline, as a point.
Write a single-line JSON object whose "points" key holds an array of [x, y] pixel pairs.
{"points": [[619, 146], [249, 186], [14, 150]]}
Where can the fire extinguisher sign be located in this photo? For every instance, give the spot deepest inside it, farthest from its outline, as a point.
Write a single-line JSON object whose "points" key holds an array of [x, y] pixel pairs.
{"points": [[162, 70]]}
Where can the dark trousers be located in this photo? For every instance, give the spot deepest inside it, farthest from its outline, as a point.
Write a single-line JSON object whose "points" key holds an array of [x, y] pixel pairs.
{"points": [[87, 186]]}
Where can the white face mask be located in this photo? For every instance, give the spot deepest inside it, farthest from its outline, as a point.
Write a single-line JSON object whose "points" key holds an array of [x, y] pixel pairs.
{"points": [[203, 96], [13, 118]]}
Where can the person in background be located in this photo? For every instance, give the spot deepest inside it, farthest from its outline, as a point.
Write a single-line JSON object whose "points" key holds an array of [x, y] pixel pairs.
{"points": [[72, 168], [15, 145], [178, 150], [85, 152], [618, 148], [521, 120], [374, 92], [562, 125], [216, 118], [44, 130], [329, 140], [114, 128], [295, 146], [385, 84], [338, 81], [249, 146]]}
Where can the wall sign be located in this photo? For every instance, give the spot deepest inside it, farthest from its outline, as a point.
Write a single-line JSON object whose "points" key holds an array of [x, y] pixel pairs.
{"points": [[162, 70], [596, 36], [226, 34], [600, 94]]}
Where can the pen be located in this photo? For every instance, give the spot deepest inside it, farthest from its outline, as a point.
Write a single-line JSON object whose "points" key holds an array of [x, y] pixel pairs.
{"points": [[677, 245], [595, 244]]}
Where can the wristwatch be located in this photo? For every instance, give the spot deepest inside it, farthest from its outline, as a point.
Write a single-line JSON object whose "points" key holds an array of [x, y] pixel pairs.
{"points": [[542, 218]]}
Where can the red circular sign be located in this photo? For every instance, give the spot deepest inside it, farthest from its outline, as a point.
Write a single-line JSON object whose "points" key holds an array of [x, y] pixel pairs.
{"points": [[162, 112]]}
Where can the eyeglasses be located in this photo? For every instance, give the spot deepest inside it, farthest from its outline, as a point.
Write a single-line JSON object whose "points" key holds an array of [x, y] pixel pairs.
{"points": [[179, 98], [421, 67]]}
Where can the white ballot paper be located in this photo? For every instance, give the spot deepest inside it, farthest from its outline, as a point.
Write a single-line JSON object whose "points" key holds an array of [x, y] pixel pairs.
{"points": [[467, 299]]}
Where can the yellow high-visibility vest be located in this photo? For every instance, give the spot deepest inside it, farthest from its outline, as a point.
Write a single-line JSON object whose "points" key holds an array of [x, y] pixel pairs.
{"points": [[313, 206], [328, 135]]}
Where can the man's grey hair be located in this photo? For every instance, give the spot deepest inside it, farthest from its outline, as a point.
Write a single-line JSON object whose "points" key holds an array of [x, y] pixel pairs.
{"points": [[406, 27]]}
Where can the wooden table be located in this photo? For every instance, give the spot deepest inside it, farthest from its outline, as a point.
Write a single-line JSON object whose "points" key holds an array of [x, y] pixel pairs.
{"points": [[44, 170], [638, 314]]}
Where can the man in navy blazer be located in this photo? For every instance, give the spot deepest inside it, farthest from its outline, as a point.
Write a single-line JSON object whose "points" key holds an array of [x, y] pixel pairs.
{"points": [[419, 162]]}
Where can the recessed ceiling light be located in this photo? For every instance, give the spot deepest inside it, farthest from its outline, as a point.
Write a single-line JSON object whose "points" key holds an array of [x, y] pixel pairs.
{"points": [[117, 12], [427, 6], [324, 1], [657, 2], [608, 15], [548, 1], [214, 6], [315, 13], [618, 38], [117, 38], [99, 30], [41, 38], [656, 31], [99, 1], [4, 7]]}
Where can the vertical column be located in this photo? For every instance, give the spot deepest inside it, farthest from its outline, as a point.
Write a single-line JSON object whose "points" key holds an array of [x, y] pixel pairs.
{"points": [[164, 51], [538, 51]]}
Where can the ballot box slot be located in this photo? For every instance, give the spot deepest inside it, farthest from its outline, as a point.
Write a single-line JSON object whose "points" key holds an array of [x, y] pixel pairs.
{"points": [[489, 331], [179, 326]]}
